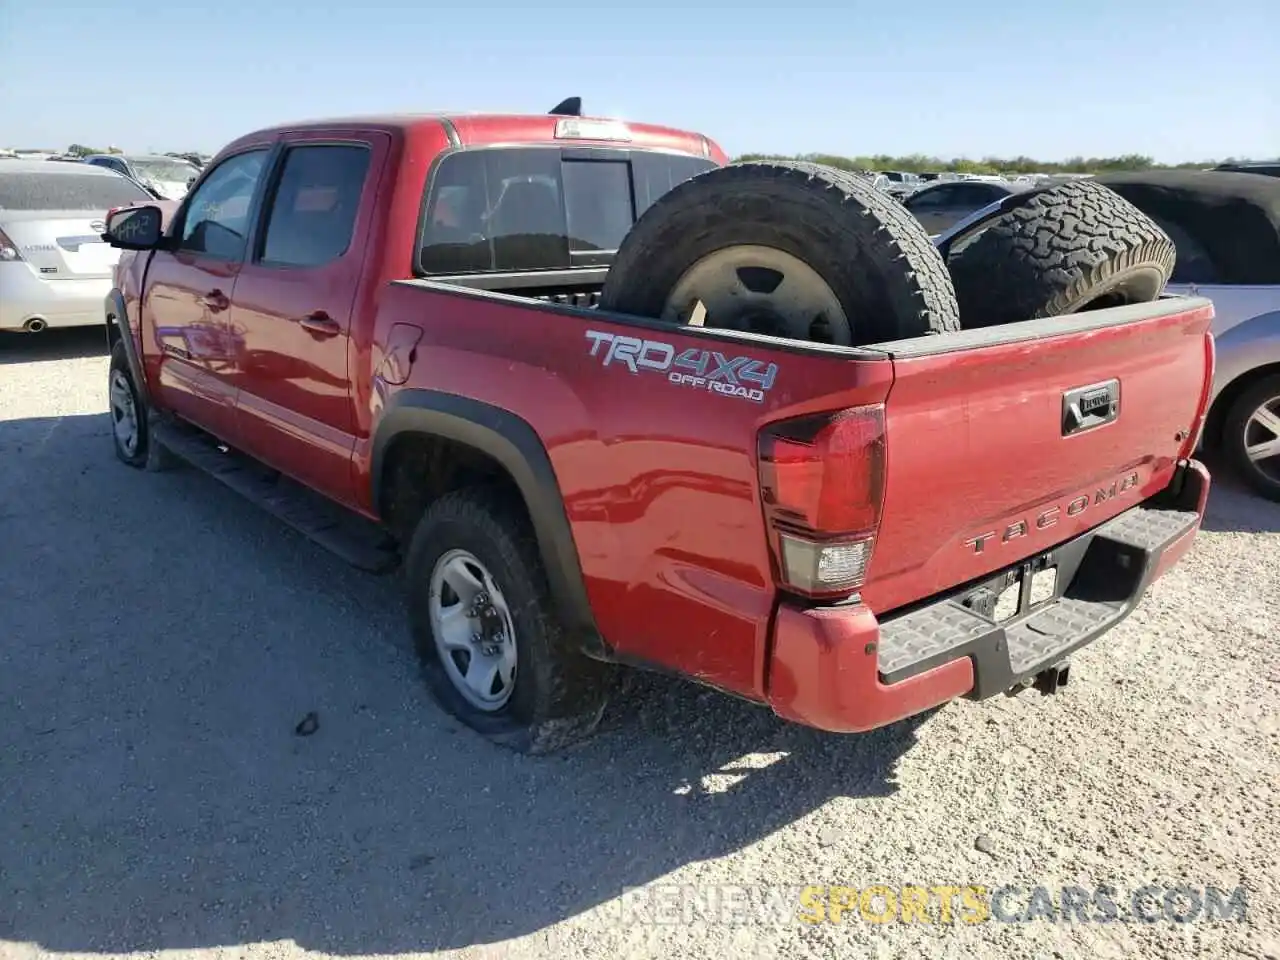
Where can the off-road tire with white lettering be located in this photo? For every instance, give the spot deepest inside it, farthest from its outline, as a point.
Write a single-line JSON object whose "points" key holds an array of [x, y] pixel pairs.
{"points": [[559, 694], [1076, 246], [870, 250]]}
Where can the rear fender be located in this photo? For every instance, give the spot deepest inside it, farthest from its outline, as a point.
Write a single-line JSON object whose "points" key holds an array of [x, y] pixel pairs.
{"points": [[517, 448]]}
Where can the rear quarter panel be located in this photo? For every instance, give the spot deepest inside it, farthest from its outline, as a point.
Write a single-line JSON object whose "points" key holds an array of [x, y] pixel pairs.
{"points": [[658, 480]]}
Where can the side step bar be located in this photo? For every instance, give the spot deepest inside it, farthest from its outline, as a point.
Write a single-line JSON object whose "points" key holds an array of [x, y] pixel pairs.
{"points": [[356, 540]]}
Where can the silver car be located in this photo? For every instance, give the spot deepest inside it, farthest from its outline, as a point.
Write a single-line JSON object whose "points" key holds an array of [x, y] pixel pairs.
{"points": [[55, 271], [1226, 228], [170, 177]]}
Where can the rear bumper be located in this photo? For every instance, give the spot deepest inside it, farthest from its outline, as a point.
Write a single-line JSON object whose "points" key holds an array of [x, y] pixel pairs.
{"points": [[840, 669], [60, 302]]}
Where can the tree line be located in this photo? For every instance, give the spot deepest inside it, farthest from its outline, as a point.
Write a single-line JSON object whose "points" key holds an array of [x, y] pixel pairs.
{"points": [[919, 163], [80, 150]]}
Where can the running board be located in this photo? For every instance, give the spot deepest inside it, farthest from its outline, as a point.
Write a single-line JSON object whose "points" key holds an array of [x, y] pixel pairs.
{"points": [[356, 540]]}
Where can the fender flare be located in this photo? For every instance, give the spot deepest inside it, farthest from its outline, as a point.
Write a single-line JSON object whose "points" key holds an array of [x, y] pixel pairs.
{"points": [[516, 447], [118, 328]]}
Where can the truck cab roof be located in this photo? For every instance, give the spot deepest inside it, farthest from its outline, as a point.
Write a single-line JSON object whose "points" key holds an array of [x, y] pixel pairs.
{"points": [[475, 129]]}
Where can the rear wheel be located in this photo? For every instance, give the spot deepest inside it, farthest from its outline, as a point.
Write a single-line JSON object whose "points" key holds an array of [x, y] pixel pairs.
{"points": [[492, 649], [788, 249], [1073, 247], [1251, 437]]}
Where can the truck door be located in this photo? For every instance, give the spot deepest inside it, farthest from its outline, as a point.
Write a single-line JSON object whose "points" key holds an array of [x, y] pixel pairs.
{"points": [[187, 339], [294, 304]]}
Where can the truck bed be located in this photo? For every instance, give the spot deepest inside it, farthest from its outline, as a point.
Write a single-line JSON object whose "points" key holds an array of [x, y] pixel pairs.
{"points": [[979, 472]]}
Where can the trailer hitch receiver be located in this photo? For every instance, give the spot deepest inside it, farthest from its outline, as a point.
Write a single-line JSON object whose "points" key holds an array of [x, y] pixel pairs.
{"points": [[1052, 679]]}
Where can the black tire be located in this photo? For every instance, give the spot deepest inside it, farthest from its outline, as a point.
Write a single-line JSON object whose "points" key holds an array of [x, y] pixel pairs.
{"points": [[1076, 246], [1235, 436], [558, 694], [146, 453], [871, 252]]}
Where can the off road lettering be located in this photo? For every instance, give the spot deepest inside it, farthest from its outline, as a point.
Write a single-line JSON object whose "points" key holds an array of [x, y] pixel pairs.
{"points": [[708, 370]]}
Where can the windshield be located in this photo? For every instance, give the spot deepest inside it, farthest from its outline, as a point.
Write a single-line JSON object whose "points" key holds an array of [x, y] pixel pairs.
{"points": [[166, 170], [67, 191]]}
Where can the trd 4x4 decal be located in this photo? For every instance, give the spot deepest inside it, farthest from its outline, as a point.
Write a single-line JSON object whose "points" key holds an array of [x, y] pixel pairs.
{"points": [[707, 370]]}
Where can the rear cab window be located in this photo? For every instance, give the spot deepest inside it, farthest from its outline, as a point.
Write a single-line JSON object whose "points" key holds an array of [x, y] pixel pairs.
{"points": [[510, 209]]}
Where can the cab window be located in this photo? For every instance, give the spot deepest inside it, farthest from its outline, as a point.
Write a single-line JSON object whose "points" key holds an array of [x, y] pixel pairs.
{"points": [[313, 212], [540, 208], [216, 219]]}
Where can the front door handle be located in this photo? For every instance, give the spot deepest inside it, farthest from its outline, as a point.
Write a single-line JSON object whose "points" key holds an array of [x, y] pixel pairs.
{"points": [[320, 324], [215, 300]]}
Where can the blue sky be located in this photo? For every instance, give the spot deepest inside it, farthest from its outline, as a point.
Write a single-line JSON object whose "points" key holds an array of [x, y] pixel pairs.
{"points": [[1175, 79]]}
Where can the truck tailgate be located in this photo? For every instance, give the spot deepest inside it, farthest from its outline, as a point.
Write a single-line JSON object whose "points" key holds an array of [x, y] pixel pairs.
{"points": [[1004, 442]]}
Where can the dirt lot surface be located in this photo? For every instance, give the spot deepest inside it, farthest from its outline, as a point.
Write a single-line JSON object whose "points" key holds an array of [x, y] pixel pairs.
{"points": [[161, 639]]}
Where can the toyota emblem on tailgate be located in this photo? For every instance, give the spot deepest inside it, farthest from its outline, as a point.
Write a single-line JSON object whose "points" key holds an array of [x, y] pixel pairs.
{"points": [[98, 226]]}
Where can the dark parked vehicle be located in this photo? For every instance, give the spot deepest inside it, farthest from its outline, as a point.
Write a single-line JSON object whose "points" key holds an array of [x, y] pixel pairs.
{"points": [[944, 204], [1268, 168], [1226, 228]]}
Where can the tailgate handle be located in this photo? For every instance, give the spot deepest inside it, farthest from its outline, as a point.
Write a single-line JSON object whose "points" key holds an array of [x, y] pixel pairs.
{"points": [[1085, 408]]}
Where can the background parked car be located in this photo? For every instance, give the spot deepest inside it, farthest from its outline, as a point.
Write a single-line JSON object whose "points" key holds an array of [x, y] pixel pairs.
{"points": [[1269, 168], [1226, 227], [55, 271], [902, 176], [944, 203], [167, 176]]}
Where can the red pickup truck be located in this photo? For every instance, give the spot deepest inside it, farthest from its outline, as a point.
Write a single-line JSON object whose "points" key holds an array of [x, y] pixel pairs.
{"points": [[389, 333]]}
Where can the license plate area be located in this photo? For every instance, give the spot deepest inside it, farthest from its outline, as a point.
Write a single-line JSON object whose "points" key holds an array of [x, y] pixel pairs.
{"points": [[1017, 591]]}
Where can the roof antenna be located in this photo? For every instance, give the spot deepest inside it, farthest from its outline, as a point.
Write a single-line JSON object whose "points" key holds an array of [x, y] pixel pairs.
{"points": [[570, 107]]}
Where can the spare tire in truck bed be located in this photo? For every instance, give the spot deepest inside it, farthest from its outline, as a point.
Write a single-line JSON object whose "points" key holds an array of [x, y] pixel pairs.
{"points": [[1075, 246], [784, 248]]}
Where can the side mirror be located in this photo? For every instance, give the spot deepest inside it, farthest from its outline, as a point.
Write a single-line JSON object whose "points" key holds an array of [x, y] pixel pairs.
{"points": [[135, 228]]}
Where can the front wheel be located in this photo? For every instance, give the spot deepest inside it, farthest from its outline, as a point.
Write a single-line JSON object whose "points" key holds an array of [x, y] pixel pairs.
{"points": [[1251, 437], [130, 420], [492, 649]]}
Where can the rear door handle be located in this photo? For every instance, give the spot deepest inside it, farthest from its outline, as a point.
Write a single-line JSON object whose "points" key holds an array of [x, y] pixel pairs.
{"points": [[320, 324], [215, 300]]}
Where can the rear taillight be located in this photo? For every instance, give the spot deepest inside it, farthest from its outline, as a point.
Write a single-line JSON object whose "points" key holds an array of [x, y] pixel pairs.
{"points": [[8, 249], [822, 485]]}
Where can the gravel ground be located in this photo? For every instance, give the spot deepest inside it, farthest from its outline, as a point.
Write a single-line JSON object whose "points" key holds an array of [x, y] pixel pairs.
{"points": [[160, 639]]}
